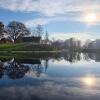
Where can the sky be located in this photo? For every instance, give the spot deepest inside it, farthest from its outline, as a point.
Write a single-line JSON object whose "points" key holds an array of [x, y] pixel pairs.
{"points": [[61, 18]]}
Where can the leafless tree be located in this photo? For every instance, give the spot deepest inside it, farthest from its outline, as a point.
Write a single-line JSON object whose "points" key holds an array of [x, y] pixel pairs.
{"points": [[16, 30], [38, 31], [46, 36]]}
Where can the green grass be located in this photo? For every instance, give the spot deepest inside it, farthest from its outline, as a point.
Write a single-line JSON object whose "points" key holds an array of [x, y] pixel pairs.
{"points": [[9, 46], [25, 47]]}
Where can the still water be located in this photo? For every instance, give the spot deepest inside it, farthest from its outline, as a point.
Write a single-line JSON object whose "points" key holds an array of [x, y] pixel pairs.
{"points": [[69, 76]]}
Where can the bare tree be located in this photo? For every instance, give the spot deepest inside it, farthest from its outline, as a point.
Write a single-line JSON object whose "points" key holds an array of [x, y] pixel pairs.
{"points": [[1, 29], [87, 42], [16, 30], [46, 36], [38, 31]]}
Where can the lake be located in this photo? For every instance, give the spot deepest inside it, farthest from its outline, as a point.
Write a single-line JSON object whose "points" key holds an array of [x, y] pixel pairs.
{"points": [[67, 76]]}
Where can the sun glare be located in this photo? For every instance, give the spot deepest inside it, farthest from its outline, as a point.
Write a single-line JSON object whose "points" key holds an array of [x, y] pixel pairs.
{"points": [[90, 18], [89, 81]]}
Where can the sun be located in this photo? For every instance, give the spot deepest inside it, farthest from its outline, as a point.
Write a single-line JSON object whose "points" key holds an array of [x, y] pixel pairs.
{"points": [[90, 18]]}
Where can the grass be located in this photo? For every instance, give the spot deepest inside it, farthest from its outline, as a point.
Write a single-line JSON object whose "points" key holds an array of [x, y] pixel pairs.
{"points": [[25, 47], [7, 47]]}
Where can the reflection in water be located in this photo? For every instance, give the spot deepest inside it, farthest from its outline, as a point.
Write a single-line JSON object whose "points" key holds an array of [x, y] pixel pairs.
{"points": [[46, 64], [38, 70], [16, 69], [73, 57], [89, 81], [63, 76], [94, 56], [13, 69]]}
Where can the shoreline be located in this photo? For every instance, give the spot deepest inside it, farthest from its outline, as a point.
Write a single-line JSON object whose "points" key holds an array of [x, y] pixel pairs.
{"points": [[57, 51]]}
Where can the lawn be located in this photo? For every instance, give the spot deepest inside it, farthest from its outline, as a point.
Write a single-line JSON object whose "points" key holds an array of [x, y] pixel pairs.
{"points": [[26, 47]]}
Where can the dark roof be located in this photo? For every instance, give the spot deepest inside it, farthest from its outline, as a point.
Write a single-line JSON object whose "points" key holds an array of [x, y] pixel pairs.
{"points": [[31, 39]]}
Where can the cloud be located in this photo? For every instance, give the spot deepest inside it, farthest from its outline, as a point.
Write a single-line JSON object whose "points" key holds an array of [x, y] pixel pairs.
{"points": [[83, 36], [50, 7], [53, 10], [39, 21], [43, 21], [72, 88], [35, 22]]}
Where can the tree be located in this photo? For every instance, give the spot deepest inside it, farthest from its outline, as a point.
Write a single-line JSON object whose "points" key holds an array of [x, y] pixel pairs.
{"points": [[46, 37], [34, 32], [1, 29], [38, 31], [87, 42], [16, 30]]}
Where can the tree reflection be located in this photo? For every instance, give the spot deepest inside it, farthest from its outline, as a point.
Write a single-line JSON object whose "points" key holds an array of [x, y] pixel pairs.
{"points": [[94, 56], [38, 70], [16, 71], [1, 70], [17, 68], [46, 64], [72, 56]]}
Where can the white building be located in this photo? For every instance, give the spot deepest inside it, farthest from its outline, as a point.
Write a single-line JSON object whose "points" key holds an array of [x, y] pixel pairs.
{"points": [[94, 44]]}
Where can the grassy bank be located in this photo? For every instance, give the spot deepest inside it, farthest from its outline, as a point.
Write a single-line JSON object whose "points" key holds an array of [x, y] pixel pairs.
{"points": [[24, 50], [26, 47]]}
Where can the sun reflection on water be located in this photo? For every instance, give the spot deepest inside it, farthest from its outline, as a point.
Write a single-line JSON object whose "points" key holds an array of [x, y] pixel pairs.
{"points": [[89, 81]]}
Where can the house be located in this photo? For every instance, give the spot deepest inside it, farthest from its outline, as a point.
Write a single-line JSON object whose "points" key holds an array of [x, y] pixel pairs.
{"points": [[6, 40], [30, 39]]}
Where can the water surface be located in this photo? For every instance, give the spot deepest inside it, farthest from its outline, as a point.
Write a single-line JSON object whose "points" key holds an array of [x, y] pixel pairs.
{"points": [[67, 76]]}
